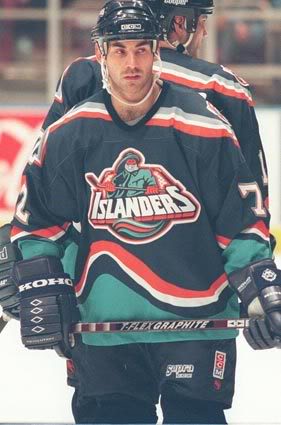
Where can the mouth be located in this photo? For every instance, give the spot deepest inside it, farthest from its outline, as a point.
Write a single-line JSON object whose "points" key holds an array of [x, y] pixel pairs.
{"points": [[132, 77]]}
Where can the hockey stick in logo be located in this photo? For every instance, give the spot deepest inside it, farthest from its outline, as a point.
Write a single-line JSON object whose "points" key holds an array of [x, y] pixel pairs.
{"points": [[102, 186], [162, 325], [137, 189]]}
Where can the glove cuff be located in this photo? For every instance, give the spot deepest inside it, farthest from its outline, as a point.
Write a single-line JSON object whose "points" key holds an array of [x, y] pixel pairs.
{"points": [[248, 282]]}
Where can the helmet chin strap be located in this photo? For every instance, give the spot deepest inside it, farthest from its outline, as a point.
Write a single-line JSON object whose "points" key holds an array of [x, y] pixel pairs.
{"points": [[108, 88]]}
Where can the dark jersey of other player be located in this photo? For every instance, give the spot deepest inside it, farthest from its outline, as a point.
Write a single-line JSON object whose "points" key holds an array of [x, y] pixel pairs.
{"points": [[187, 211], [226, 91]]}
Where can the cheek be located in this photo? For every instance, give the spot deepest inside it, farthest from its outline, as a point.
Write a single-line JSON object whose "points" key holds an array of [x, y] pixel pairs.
{"points": [[147, 63], [110, 62], [112, 68], [198, 38], [188, 37]]}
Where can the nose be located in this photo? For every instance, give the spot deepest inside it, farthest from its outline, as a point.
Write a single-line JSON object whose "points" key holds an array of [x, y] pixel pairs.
{"points": [[131, 60]]}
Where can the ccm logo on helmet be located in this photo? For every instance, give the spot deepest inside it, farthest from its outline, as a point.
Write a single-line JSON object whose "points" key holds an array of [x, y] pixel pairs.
{"points": [[177, 2], [45, 282], [131, 27]]}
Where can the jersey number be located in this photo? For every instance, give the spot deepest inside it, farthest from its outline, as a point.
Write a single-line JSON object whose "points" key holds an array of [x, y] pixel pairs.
{"points": [[247, 188], [21, 214], [263, 168]]}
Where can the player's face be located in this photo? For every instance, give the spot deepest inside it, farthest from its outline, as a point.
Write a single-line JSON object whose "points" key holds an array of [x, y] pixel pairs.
{"points": [[130, 66], [200, 33]]}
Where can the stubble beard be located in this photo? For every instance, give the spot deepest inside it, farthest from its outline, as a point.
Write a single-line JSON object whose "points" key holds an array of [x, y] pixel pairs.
{"points": [[132, 91]]}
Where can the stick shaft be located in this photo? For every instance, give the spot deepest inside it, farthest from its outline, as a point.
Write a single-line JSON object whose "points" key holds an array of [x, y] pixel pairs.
{"points": [[100, 186], [161, 325]]}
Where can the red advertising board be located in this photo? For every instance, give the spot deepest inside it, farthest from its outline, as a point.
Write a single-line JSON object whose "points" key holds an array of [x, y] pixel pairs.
{"points": [[19, 129]]}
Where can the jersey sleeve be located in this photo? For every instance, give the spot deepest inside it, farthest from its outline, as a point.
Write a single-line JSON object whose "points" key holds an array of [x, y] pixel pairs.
{"points": [[242, 226], [235, 206], [237, 106], [79, 80], [47, 202]]}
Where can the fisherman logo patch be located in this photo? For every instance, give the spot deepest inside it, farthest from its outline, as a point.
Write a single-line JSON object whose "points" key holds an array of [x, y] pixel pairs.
{"points": [[137, 202]]}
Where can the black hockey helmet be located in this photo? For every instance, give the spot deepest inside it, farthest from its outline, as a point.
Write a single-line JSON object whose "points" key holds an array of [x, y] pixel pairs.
{"points": [[166, 10], [125, 20]]}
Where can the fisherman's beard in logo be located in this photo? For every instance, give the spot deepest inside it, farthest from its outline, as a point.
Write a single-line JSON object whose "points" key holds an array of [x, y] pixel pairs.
{"points": [[130, 168], [136, 202]]}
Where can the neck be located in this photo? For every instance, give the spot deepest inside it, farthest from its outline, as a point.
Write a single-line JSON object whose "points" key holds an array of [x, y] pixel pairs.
{"points": [[166, 45], [131, 112], [173, 42]]}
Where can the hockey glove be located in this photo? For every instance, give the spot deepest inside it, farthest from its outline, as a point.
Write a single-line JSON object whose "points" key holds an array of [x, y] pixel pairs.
{"points": [[259, 288], [9, 253], [48, 305], [259, 335]]}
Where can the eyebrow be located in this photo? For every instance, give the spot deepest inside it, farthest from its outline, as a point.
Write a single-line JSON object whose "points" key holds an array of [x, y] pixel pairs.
{"points": [[140, 44]]}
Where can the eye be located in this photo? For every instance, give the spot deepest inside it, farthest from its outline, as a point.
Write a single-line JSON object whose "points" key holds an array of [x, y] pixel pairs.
{"points": [[119, 51], [142, 50]]}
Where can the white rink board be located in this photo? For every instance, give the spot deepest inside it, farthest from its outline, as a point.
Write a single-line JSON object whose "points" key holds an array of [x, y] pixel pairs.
{"points": [[270, 131], [33, 384]]}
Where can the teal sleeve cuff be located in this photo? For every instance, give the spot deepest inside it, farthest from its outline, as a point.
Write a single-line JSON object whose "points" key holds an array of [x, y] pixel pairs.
{"points": [[36, 247], [240, 253]]}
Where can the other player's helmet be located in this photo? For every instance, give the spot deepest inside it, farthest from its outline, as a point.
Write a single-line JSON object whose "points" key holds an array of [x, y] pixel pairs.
{"points": [[125, 20], [166, 10]]}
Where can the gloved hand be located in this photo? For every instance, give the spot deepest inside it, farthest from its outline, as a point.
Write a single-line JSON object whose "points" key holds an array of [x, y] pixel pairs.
{"points": [[259, 288], [259, 335], [48, 305], [9, 253], [109, 187]]}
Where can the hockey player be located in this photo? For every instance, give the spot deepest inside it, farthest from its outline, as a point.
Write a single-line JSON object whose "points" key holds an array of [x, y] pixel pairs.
{"points": [[184, 26], [141, 256], [183, 29]]}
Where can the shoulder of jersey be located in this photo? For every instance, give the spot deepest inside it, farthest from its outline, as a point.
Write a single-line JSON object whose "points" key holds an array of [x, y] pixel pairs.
{"points": [[82, 63], [186, 99], [92, 107], [81, 70], [80, 73], [172, 59], [194, 114], [188, 62]]}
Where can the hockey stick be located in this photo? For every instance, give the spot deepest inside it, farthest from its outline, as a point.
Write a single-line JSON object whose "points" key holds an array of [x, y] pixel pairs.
{"points": [[161, 325], [137, 189], [101, 186]]}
